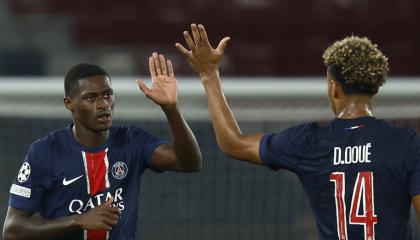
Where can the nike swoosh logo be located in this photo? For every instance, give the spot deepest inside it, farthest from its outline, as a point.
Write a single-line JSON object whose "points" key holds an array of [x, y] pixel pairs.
{"points": [[68, 182]]}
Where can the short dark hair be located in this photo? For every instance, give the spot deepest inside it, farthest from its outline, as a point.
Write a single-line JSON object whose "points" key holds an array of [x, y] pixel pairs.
{"points": [[80, 71], [357, 64]]}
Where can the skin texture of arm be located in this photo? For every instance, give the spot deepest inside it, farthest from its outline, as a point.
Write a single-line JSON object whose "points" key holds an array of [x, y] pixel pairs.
{"points": [[416, 203], [184, 153], [21, 225], [205, 60]]}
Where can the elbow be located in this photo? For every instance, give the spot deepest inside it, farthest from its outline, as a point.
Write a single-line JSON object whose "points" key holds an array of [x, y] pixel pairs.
{"points": [[13, 230], [229, 148], [197, 166], [189, 164], [8, 234]]}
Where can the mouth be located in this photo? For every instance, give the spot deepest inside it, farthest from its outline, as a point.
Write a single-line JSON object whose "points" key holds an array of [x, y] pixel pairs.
{"points": [[104, 117]]}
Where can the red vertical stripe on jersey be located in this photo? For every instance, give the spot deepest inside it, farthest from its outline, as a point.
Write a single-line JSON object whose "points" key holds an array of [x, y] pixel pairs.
{"points": [[96, 235], [96, 172]]}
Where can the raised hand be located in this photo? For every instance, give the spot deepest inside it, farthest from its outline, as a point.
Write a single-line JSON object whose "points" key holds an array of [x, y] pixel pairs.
{"points": [[203, 58], [164, 88], [104, 216]]}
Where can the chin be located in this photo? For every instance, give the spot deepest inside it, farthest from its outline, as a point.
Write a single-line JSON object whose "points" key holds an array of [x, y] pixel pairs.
{"points": [[103, 127]]}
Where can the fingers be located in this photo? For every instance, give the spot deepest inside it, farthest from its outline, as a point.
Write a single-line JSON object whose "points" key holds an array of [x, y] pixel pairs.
{"points": [[109, 220], [170, 69], [182, 49], [157, 63], [113, 210], [113, 213], [109, 223], [222, 45], [196, 34], [199, 38], [152, 68], [189, 41], [110, 215], [108, 202], [163, 64], [203, 34], [143, 87]]}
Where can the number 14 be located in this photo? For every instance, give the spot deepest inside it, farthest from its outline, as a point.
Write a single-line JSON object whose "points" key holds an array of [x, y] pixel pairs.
{"points": [[362, 189]]}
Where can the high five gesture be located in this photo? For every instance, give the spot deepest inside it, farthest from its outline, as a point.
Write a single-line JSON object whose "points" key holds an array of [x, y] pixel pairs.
{"points": [[203, 58], [164, 88]]}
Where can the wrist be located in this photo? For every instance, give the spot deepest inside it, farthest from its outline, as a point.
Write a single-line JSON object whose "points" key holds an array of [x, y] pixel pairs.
{"points": [[209, 77], [204, 75], [169, 107], [76, 221]]}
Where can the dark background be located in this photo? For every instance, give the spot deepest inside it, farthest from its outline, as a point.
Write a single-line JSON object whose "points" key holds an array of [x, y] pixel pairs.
{"points": [[269, 37]]}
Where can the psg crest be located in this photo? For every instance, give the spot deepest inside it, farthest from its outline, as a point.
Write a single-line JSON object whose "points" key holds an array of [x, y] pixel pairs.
{"points": [[119, 170], [24, 172]]}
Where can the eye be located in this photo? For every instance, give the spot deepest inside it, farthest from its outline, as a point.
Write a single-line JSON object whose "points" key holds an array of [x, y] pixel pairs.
{"points": [[91, 98], [108, 95]]}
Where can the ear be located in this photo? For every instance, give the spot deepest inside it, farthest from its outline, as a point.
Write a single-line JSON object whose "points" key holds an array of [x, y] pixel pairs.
{"points": [[336, 90], [68, 103]]}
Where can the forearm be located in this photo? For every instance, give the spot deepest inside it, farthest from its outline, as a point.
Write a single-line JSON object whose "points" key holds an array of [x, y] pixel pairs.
{"points": [[224, 123], [228, 134], [185, 145], [416, 203], [33, 228]]}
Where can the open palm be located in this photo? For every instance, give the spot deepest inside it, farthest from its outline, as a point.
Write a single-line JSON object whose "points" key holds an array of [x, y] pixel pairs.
{"points": [[164, 88], [202, 56]]}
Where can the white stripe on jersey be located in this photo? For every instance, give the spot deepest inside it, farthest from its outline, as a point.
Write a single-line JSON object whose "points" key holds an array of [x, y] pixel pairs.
{"points": [[86, 170]]}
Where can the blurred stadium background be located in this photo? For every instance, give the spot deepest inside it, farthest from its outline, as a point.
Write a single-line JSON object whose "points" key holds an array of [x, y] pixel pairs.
{"points": [[273, 79]]}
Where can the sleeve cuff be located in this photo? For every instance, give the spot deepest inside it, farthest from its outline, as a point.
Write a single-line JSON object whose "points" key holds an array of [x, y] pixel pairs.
{"points": [[149, 153], [264, 153], [22, 205]]}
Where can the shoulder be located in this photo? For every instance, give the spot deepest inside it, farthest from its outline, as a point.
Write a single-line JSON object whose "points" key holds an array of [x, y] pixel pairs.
{"points": [[132, 134], [127, 131], [302, 134], [397, 134], [56, 137], [307, 130], [40, 154]]}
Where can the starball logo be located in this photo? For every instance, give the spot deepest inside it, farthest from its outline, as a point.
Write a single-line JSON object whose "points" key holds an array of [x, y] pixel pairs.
{"points": [[78, 206]]}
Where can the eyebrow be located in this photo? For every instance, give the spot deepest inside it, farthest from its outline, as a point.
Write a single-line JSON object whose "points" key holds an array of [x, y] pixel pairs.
{"points": [[97, 93]]}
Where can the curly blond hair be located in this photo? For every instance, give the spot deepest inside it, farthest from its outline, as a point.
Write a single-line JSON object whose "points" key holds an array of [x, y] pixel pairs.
{"points": [[357, 64]]}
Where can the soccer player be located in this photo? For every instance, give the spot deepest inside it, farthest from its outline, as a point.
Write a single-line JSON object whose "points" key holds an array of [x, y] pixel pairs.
{"points": [[360, 173], [84, 180]]}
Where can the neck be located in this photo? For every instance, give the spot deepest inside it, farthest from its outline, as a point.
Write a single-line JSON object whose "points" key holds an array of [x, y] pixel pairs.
{"points": [[89, 138], [355, 107]]}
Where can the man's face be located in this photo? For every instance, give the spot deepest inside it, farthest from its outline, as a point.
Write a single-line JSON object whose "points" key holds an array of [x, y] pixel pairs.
{"points": [[92, 102]]}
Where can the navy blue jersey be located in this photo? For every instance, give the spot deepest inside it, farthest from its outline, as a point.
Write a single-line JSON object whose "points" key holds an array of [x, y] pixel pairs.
{"points": [[360, 175], [60, 177]]}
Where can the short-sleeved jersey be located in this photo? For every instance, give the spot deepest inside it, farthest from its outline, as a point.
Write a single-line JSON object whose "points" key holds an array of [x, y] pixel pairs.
{"points": [[60, 177], [360, 175]]}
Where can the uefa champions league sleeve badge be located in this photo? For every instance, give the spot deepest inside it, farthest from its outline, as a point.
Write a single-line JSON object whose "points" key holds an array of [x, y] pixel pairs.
{"points": [[24, 172], [23, 176]]}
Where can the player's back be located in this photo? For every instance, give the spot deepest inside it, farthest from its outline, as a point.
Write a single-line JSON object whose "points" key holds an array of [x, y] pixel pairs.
{"points": [[359, 175]]}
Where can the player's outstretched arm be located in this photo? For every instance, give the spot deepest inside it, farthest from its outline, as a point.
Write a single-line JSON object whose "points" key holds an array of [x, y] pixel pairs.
{"points": [[184, 153], [416, 203], [205, 60], [21, 225]]}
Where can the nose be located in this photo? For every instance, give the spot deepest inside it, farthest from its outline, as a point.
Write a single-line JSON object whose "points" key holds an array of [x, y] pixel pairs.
{"points": [[103, 103]]}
